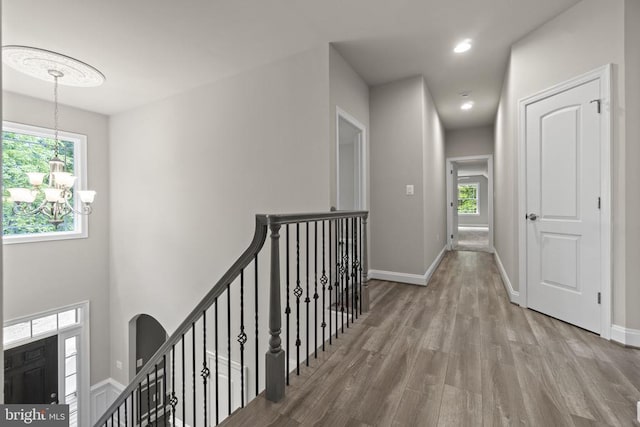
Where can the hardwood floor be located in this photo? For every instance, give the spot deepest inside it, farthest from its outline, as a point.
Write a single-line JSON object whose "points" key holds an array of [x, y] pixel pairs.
{"points": [[457, 353]]}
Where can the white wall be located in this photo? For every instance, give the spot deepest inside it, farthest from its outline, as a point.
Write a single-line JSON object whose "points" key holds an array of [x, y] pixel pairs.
{"points": [[476, 141], [350, 93], [483, 201], [434, 181], [195, 168], [45, 275], [407, 147], [569, 45]]}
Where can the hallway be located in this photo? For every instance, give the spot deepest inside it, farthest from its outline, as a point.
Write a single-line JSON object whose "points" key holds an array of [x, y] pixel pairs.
{"points": [[473, 239], [457, 353]]}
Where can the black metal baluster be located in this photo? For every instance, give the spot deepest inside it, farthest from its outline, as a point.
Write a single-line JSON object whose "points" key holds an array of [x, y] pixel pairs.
{"points": [[140, 403], [205, 369], [359, 271], [117, 417], [242, 338], [174, 399], [215, 310], [126, 415], [337, 273], [356, 266], [112, 423], [346, 268], [287, 310], [307, 300], [229, 349], [323, 282], [342, 287], [193, 370], [164, 389], [184, 406], [354, 308], [148, 399], [132, 409], [157, 392], [315, 289], [330, 282], [255, 283], [298, 292]]}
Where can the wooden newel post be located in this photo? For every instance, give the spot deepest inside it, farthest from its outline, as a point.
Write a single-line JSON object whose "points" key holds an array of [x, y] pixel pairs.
{"points": [[365, 267], [275, 357]]}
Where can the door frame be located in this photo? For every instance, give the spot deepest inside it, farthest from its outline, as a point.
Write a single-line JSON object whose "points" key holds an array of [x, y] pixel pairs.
{"points": [[362, 155], [450, 202], [83, 330], [604, 75]]}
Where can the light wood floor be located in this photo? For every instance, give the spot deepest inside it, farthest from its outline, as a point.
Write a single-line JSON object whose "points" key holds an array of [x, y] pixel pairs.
{"points": [[457, 353]]}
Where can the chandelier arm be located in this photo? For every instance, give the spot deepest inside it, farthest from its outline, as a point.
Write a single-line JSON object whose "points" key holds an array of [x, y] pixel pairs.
{"points": [[20, 208], [86, 208]]}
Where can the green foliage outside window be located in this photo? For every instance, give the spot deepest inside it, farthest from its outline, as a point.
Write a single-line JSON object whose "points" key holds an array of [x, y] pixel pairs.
{"points": [[22, 153], [467, 198]]}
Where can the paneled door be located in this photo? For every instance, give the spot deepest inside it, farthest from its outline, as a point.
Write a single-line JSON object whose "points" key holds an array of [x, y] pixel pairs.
{"points": [[563, 205]]}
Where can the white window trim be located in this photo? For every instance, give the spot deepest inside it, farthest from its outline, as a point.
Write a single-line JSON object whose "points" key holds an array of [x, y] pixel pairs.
{"points": [[81, 329], [477, 185], [79, 170]]}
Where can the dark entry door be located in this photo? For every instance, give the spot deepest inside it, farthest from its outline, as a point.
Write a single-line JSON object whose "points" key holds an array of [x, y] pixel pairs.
{"points": [[31, 372]]}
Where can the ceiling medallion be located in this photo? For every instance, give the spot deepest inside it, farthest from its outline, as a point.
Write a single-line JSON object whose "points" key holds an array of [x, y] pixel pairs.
{"points": [[38, 63]]}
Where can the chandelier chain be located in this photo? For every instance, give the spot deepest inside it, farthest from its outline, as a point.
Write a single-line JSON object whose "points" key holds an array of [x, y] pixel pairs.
{"points": [[55, 115]]}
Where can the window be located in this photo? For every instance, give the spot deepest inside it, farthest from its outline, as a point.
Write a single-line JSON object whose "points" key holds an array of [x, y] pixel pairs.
{"points": [[468, 199], [22, 331], [29, 149]]}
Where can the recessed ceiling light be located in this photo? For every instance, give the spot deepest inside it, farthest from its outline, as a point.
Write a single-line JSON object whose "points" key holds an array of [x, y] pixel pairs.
{"points": [[463, 46], [467, 105]]}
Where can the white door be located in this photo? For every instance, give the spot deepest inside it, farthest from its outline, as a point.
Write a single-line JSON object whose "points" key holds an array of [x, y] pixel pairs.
{"points": [[454, 204], [350, 163], [562, 204]]}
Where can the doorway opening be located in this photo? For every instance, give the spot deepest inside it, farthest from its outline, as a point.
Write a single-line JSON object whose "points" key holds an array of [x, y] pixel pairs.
{"points": [[350, 164], [146, 335], [470, 203]]}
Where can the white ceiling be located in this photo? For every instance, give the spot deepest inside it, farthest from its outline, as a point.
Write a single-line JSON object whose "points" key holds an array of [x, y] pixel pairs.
{"points": [[151, 49]]}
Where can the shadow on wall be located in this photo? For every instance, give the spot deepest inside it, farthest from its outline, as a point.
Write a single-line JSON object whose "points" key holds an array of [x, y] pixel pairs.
{"points": [[146, 335]]}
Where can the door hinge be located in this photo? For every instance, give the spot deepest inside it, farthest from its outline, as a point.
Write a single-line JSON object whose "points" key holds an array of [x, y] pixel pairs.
{"points": [[451, 204], [451, 171], [598, 202], [452, 236], [599, 298], [598, 102]]}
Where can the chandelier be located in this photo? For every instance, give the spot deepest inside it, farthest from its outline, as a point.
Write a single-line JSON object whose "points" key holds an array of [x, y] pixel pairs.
{"points": [[56, 185]]}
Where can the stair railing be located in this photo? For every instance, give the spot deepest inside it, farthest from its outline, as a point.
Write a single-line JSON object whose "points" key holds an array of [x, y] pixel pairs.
{"points": [[198, 379]]}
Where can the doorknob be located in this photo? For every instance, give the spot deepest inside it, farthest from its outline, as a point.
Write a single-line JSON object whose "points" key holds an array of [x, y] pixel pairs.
{"points": [[531, 216]]}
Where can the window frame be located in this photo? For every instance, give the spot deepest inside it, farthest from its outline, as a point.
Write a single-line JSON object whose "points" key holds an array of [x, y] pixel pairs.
{"points": [[81, 222], [477, 199]]}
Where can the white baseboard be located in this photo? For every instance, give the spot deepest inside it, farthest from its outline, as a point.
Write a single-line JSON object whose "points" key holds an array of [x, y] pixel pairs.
{"points": [[393, 276], [626, 336], [473, 225], [514, 296], [102, 395], [413, 279]]}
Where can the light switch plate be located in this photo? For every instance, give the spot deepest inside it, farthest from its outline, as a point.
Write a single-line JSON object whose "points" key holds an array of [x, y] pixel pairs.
{"points": [[139, 363], [118, 364], [409, 190]]}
